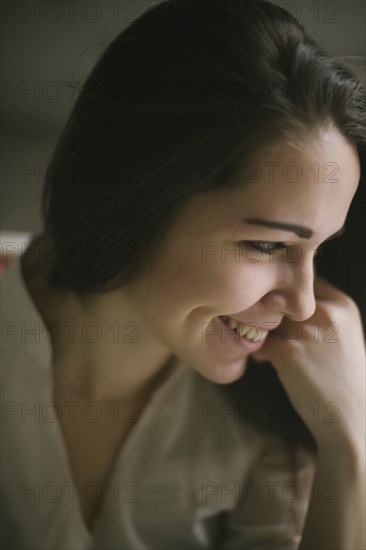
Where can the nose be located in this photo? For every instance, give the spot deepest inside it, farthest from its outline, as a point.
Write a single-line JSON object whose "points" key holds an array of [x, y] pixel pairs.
{"points": [[293, 293]]}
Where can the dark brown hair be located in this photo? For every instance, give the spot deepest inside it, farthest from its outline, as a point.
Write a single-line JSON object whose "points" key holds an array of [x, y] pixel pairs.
{"points": [[188, 91], [182, 96]]}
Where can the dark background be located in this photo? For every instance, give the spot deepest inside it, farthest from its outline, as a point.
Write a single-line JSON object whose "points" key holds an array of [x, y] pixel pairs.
{"points": [[46, 44]]}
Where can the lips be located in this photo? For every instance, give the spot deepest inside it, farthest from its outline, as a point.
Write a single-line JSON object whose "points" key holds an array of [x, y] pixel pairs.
{"points": [[269, 326], [231, 336]]}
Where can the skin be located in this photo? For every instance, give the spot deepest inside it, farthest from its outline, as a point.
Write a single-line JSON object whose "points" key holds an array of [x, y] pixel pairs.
{"points": [[173, 304], [171, 307]]}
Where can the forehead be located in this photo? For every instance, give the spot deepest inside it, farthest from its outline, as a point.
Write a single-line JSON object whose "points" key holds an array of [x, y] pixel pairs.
{"points": [[305, 182]]}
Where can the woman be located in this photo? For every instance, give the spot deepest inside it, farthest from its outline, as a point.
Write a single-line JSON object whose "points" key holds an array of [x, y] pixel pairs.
{"points": [[198, 384]]}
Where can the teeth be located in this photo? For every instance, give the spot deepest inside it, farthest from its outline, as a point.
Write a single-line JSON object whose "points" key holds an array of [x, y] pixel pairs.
{"points": [[232, 323], [252, 333], [247, 331], [243, 330]]}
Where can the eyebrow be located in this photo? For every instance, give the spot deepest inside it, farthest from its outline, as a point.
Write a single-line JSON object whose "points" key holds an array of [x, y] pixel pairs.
{"points": [[299, 230]]}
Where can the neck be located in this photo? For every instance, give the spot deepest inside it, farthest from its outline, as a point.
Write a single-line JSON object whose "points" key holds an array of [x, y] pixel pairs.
{"points": [[104, 353]]}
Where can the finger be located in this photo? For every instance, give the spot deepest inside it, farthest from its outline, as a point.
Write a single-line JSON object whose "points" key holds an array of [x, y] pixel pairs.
{"points": [[327, 292], [323, 289], [276, 344]]}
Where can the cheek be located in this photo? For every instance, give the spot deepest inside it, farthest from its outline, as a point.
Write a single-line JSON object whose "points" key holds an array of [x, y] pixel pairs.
{"points": [[241, 285], [183, 281], [180, 284], [219, 286], [174, 282]]}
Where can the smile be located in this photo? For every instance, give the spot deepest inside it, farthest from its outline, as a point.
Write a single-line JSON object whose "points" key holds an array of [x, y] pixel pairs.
{"points": [[247, 331]]}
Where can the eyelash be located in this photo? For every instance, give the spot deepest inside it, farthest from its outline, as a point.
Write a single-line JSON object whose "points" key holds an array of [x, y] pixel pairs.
{"points": [[256, 245]]}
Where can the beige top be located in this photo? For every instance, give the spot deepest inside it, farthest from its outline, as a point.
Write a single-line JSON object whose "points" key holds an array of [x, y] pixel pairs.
{"points": [[188, 476]]}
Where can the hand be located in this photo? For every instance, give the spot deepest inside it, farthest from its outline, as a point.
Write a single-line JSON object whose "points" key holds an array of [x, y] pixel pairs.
{"points": [[322, 368]]}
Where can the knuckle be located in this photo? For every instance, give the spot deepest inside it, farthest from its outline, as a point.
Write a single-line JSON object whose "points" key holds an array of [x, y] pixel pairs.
{"points": [[348, 303]]}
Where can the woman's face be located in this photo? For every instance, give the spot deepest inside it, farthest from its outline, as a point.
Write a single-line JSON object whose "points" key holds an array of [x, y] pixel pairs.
{"points": [[207, 268]]}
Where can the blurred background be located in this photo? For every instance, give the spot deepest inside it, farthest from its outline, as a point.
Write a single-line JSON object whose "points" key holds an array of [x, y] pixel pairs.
{"points": [[49, 48], [48, 43]]}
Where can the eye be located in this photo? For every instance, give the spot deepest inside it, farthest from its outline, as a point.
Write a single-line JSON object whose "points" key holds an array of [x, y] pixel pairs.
{"points": [[264, 246]]}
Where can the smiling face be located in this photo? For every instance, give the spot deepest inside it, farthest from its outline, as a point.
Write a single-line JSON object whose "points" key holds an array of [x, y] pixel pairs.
{"points": [[207, 266]]}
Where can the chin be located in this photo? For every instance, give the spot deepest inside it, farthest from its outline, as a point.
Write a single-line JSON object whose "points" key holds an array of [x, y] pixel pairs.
{"points": [[225, 373]]}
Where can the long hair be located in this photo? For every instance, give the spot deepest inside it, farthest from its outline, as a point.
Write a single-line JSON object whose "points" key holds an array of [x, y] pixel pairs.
{"points": [[187, 92]]}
